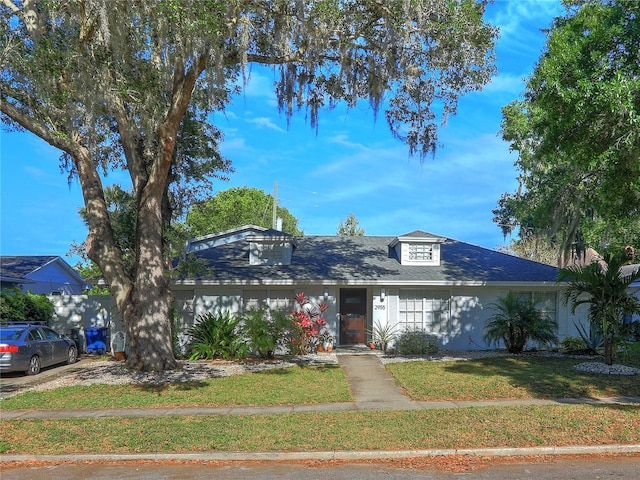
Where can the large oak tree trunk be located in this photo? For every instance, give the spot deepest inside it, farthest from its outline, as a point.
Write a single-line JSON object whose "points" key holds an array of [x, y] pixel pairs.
{"points": [[148, 311], [148, 325]]}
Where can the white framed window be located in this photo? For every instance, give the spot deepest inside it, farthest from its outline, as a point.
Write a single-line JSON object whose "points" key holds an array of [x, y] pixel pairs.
{"points": [[274, 299], [281, 300], [546, 302], [254, 299], [427, 310], [420, 252], [270, 253]]}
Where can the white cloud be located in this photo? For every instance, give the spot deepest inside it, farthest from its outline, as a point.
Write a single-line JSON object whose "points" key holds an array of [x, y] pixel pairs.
{"points": [[264, 122], [506, 83], [513, 15], [259, 86]]}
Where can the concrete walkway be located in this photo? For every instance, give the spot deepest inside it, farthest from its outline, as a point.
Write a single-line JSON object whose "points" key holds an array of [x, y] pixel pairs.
{"points": [[372, 386]]}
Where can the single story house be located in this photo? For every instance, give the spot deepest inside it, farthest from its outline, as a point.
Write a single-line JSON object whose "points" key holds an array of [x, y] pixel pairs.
{"points": [[413, 281], [46, 274], [635, 288]]}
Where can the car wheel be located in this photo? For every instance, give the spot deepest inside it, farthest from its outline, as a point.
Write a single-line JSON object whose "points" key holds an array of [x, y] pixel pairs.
{"points": [[34, 365], [72, 356]]}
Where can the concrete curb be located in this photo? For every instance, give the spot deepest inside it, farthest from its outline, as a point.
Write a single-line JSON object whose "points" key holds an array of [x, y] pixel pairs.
{"points": [[326, 455]]}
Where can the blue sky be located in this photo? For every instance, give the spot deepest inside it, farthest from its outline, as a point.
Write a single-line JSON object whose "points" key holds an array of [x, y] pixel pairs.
{"points": [[352, 165]]}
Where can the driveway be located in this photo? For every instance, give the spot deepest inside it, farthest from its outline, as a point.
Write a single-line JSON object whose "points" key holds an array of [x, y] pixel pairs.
{"points": [[16, 381]]}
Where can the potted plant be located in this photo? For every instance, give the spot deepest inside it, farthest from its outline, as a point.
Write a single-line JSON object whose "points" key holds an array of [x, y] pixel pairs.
{"points": [[326, 340], [382, 335]]}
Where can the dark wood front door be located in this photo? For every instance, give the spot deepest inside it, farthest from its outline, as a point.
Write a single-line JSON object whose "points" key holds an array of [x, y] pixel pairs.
{"points": [[353, 315]]}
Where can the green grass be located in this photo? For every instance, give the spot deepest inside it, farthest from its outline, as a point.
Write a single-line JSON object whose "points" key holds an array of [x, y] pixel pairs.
{"points": [[490, 378], [488, 427], [511, 377], [292, 385]]}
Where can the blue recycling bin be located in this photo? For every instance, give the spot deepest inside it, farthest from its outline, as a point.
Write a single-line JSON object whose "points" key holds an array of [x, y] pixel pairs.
{"points": [[96, 338]]}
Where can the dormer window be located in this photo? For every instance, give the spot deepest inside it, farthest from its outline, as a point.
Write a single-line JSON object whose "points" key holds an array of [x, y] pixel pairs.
{"points": [[420, 252], [418, 248], [270, 249], [268, 253]]}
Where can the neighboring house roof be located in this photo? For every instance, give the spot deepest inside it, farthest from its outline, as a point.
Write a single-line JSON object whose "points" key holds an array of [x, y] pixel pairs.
{"points": [[23, 269], [357, 260], [23, 265], [630, 270], [11, 277]]}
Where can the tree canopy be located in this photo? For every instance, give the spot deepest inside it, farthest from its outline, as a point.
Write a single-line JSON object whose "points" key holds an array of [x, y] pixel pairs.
{"points": [[236, 207], [576, 130], [350, 227], [113, 83]]}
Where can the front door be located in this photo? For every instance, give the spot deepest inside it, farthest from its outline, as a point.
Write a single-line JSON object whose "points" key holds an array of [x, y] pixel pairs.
{"points": [[353, 315]]}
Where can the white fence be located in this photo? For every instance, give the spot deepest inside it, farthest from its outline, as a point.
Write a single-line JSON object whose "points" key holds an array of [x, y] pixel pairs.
{"points": [[75, 313]]}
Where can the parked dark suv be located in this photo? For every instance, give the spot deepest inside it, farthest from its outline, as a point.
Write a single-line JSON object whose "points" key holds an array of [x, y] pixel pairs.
{"points": [[27, 347]]}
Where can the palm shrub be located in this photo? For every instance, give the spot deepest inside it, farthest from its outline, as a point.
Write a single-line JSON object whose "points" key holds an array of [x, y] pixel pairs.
{"points": [[517, 321], [605, 288], [265, 330], [216, 335], [415, 342]]}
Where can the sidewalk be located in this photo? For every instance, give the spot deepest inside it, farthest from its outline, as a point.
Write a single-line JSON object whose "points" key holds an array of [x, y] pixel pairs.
{"points": [[372, 387]]}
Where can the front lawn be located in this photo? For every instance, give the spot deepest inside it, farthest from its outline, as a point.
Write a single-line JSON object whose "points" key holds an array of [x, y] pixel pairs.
{"points": [[280, 386], [509, 377], [488, 427]]}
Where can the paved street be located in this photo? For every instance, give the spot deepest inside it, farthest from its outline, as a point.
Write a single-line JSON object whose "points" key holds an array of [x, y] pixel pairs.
{"points": [[625, 468]]}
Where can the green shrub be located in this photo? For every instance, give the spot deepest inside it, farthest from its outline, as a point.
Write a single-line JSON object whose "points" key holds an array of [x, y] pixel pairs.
{"points": [[415, 342], [265, 330], [573, 345], [593, 339], [216, 335], [18, 306]]}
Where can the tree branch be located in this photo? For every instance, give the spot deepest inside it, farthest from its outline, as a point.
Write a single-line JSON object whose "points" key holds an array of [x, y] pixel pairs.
{"points": [[12, 6], [62, 142]]}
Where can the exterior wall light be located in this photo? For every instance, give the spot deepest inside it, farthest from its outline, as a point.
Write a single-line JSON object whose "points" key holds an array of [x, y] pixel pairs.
{"points": [[382, 294]]}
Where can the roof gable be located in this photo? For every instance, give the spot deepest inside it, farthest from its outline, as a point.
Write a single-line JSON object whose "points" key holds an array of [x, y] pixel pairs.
{"points": [[222, 238]]}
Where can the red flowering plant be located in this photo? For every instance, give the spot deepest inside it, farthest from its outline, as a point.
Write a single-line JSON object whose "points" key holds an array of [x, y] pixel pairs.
{"points": [[309, 326]]}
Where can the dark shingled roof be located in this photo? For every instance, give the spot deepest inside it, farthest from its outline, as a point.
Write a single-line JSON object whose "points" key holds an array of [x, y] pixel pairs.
{"points": [[19, 266], [362, 259]]}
